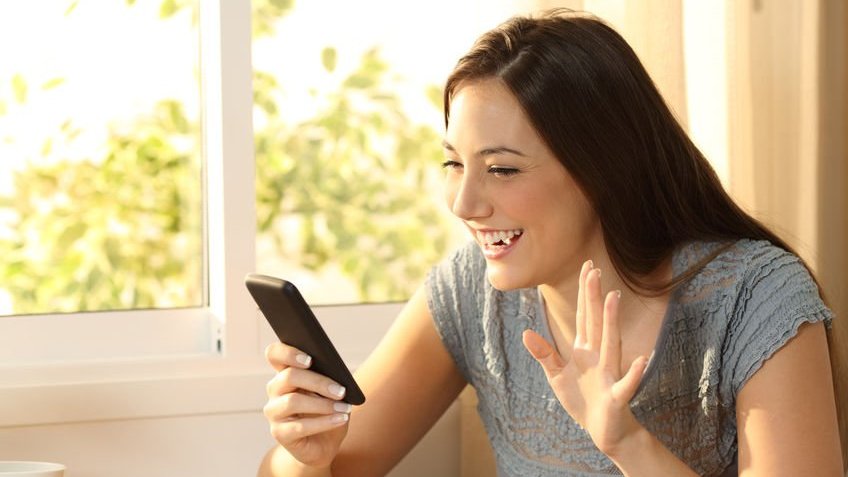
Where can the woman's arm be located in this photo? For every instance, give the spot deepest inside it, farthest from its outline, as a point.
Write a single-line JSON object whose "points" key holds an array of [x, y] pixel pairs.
{"points": [[786, 413], [409, 380], [786, 418]]}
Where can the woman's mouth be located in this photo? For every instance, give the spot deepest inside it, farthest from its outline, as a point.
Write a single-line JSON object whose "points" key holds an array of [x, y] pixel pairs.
{"points": [[496, 242]]}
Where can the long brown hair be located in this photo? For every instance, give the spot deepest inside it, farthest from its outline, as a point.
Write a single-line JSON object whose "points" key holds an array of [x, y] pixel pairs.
{"points": [[590, 99]]}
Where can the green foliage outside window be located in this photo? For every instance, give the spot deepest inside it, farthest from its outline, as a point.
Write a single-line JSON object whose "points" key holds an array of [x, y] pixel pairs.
{"points": [[122, 230], [354, 178], [117, 232]]}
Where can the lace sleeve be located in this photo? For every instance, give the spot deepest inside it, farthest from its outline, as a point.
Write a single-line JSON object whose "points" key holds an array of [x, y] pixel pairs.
{"points": [[776, 297]]}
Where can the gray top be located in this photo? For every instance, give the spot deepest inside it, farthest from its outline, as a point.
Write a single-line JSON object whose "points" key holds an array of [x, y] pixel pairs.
{"points": [[719, 328]]}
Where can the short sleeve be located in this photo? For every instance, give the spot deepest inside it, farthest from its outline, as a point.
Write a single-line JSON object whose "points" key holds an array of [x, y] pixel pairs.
{"points": [[777, 295], [453, 291]]}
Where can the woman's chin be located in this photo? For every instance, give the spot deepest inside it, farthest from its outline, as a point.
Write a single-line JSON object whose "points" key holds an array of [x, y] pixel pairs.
{"points": [[504, 281]]}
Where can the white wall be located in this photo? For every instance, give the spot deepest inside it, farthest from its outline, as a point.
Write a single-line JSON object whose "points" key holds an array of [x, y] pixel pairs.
{"points": [[216, 445]]}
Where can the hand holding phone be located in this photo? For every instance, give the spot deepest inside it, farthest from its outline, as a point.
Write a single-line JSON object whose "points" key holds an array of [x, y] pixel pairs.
{"points": [[294, 324]]}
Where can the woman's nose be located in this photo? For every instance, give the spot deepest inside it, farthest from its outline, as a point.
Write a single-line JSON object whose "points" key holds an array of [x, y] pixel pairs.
{"points": [[467, 198]]}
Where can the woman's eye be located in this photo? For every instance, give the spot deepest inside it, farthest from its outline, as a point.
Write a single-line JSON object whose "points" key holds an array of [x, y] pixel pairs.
{"points": [[503, 171], [449, 164]]}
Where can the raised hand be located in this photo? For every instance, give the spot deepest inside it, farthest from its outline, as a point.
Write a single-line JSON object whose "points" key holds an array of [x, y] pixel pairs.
{"points": [[590, 384]]}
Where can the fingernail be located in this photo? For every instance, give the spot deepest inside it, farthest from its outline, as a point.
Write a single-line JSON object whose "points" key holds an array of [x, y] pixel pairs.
{"points": [[336, 390], [591, 264], [304, 359], [618, 294], [338, 418], [342, 407], [599, 272]]}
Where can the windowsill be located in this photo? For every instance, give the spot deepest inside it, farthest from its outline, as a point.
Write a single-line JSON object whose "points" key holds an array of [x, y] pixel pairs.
{"points": [[131, 399], [165, 387]]}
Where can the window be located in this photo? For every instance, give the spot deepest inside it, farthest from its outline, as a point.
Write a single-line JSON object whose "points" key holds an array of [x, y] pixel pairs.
{"points": [[100, 198], [130, 359], [100, 202], [348, 124], [102, 207]]}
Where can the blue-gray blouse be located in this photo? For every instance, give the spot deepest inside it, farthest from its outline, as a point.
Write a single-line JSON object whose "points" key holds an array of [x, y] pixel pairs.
{"points": [[719, 328]]}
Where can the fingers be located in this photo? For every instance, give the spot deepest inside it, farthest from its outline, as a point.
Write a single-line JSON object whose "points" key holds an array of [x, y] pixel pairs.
{"points": [[624, 389], [594, 309], [301, 403], [292, 379], [611, 339], [281, 356], [289, 432], [295, 390], [287, 406], [580, 332], [543, 352]]}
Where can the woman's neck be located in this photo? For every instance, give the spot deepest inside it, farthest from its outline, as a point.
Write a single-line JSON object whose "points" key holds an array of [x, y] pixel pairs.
{"points": [[561, 299]]}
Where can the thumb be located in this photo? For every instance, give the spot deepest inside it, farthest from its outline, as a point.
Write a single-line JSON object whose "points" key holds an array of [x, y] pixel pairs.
{"points": [[543, 352]]}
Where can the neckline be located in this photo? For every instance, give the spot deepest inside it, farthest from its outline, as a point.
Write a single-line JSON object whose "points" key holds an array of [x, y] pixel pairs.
{"points": [[659, 345]]}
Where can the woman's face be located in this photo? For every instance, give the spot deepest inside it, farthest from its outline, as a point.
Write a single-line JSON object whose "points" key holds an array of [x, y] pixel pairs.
{"points": [[530, 219]]}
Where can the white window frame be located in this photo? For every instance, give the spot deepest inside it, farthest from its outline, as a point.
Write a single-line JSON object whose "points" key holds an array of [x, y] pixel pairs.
{"points": [[157, 363]]}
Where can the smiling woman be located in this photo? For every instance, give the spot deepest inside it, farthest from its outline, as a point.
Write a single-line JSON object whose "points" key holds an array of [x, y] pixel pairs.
{"points": [[704, 325]]}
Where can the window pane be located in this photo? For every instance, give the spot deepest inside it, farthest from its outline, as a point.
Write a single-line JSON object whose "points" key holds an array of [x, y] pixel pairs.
{"points": [[100, 188], [348, 123]]}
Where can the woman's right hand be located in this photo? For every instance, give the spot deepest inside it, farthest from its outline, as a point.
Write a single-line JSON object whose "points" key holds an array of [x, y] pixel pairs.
{"points": [[304, 408]]}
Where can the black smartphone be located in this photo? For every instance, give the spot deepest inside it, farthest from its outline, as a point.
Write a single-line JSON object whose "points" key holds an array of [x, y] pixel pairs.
{"points": [[294, 323]]}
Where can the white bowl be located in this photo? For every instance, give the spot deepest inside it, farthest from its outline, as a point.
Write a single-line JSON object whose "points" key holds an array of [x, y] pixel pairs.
{"points": [[11, 468]]}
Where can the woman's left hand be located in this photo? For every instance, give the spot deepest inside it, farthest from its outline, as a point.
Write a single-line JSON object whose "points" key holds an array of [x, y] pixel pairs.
{"points": [[590, 384]]}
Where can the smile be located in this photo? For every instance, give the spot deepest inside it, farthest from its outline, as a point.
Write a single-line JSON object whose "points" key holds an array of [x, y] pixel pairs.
{"points": [[498, 238]]}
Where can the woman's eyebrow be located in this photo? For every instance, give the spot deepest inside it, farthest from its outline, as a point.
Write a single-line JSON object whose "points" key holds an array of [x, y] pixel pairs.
{"points": [[488, 151]]}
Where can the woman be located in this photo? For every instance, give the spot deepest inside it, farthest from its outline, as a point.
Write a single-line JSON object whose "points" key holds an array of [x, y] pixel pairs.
{"points": [[616, 311]]}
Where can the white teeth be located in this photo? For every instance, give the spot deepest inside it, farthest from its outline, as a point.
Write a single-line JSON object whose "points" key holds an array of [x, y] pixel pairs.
{"points": [[505, 236]]}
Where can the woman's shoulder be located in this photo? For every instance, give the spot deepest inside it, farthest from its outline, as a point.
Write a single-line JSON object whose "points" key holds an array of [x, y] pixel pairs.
{"points": [[754, 291], [739, 254], [740, 265], [739, 308], [752, 254]]}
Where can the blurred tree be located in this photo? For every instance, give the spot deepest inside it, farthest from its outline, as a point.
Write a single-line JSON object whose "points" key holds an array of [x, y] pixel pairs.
{"points": [[124, 230], [119, 232], [354, 179]]}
